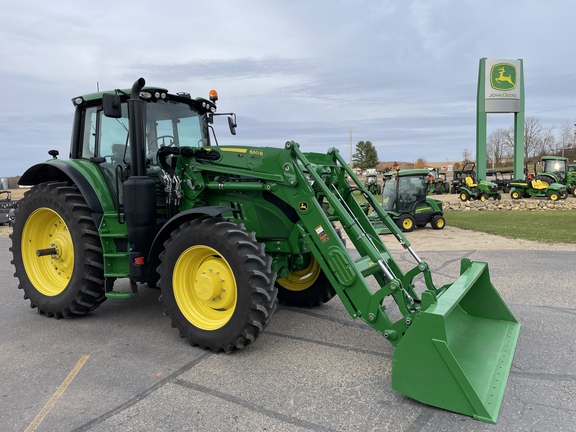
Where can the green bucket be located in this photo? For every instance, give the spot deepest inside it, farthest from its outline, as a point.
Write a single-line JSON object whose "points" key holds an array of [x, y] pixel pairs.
{"points": [[457, 353]]}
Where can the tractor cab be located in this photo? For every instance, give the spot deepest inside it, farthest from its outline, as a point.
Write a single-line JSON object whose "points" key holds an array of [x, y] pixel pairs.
{"points": [[554, 167], [165, 122]]}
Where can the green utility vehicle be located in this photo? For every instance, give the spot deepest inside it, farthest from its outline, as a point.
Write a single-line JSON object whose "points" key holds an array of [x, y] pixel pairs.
{"points": [[549, 183], [501, 177], [225, 232], [537, 187], [471, 189], [404, 199]]}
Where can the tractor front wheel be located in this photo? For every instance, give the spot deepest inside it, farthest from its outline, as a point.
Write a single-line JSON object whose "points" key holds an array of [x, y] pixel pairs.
{"points": [[406, 223], [464, 196], [438, 222], [57, 252], [554, 196], [306, 287], [515, 194], [217, 284]]}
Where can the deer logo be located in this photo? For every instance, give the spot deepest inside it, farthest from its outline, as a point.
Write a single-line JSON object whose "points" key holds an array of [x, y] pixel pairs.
{"points": [[503, 76]]}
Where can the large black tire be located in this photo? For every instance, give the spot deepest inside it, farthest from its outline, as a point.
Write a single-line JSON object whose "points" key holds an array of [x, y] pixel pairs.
{"points": [[217, 284], [70, 282], [306, 287]]}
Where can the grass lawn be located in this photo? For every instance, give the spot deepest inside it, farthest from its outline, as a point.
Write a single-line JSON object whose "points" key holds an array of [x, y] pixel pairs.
{"points": [[556, 226]]}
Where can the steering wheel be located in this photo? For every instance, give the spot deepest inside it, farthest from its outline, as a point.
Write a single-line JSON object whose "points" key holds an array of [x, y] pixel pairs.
{"points": [[163, 138]]}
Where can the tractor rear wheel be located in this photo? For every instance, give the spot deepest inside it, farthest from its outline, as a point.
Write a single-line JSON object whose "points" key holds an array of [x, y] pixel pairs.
{"points": [[217, 284], [57, 252], [306, 287]]}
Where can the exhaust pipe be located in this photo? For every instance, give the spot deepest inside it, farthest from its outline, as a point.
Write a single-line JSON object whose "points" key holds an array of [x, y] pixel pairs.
{"points": [[139, 197]]}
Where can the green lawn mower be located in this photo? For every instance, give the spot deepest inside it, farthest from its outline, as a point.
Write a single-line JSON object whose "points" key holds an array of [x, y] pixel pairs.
{"points": [[471, 189], [404, 199]]}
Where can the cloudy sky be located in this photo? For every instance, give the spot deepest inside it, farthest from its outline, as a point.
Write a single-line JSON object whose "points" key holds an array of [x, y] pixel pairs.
{"points": [[402, 74]]}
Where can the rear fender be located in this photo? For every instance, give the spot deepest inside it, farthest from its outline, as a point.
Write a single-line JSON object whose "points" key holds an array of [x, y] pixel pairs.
{"points": [[59, 171]]}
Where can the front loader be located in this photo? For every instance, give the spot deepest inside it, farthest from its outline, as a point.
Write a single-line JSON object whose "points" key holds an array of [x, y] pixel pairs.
{"points": [[225, 232]]}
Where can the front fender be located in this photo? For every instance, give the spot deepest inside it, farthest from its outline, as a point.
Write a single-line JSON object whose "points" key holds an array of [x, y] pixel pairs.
{"points": [[179, 219]]}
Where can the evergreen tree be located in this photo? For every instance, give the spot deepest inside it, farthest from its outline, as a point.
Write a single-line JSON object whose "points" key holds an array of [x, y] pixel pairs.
{"points": [[366, 155]]}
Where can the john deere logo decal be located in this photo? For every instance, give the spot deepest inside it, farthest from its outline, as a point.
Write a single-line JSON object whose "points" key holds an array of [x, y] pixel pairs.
{"points": [[503, 76], [303, 206]]}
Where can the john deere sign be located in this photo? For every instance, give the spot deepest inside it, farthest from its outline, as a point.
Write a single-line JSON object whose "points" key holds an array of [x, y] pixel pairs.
{"points": [[502, 88]]}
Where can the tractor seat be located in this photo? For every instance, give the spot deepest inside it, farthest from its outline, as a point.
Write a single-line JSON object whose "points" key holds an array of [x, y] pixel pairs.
{"points": [[539, 184], [470, 182]]}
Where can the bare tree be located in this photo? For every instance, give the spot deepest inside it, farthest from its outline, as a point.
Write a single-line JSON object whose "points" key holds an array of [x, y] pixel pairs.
{"points": [[466, 156], [566, 139], [499, 147], [420, 163]]}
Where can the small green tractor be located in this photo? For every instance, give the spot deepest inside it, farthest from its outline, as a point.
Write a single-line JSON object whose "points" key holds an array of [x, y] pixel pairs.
{"points": [[404, 197], [471, 189], [437, 182], [372, 183], [226, 232]]}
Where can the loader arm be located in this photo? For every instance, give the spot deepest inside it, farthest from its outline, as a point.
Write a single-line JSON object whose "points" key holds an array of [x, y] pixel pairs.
{"points": [[458, 339]]}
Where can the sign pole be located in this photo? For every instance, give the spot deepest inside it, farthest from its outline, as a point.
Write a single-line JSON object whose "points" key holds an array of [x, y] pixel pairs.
{"points": [[519, 131], [481, 123]]}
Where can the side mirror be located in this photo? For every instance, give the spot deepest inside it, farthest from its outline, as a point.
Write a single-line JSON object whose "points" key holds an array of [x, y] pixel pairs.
{"points": [[112, 105], [232, 124]]}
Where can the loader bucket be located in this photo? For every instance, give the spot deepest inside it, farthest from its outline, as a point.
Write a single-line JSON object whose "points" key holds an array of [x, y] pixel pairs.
{"points": [[457, 353]]}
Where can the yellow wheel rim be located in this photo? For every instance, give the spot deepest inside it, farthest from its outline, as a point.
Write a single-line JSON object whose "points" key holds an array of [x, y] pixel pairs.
{"points": [[301, 280], [440, 223], [45, 229], [515, 195], [463, 197], [407, 223], [554, 197], [482, 198], [204, 287]]}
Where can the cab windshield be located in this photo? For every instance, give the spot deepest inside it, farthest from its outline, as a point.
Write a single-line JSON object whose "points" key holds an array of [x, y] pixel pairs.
{"points": [[402, 194], [557, 167]]}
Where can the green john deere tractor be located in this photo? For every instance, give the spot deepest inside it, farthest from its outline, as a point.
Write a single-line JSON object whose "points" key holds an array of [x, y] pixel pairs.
{"points": [[555, 169], [225, 232], [404, 199], [372, 183], [472, 189], [437, 182]]}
